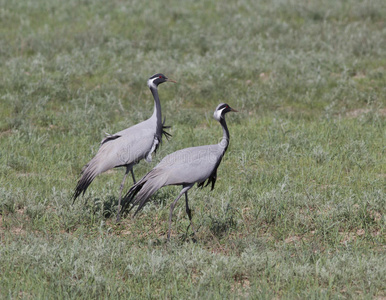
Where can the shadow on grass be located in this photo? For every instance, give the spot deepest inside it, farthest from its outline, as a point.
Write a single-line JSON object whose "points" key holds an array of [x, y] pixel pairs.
{"points": [[220, 226], [105, 208]]}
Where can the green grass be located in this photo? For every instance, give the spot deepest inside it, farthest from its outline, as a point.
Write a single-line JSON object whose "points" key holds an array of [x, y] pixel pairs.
{"points": [[298, 210]]}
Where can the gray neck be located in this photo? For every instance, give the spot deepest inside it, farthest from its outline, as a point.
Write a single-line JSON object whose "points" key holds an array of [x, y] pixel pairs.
{"points": [[225, 136], [157, 110]]}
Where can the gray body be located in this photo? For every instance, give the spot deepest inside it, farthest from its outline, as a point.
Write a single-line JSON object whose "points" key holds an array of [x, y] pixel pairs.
{"points": [[184, 167], [125, 148]]}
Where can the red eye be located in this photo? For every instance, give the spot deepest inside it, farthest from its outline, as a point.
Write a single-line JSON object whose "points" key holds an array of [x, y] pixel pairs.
{"points": [[160, 77]]}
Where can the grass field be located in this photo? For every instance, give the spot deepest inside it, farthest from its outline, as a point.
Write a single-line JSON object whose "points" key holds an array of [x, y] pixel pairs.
{"points": [[298, 210]]}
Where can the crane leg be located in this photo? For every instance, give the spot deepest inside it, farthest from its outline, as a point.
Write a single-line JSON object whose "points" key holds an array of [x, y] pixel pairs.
{"points": [[128, 168], [132, 174], [184, 190], [189, 212]]}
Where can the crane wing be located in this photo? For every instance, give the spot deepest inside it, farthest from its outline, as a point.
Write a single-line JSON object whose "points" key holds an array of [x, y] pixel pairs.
{"points": [[190, 165]]}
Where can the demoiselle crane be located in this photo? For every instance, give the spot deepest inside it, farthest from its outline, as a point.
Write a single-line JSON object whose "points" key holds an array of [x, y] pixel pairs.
{"points": [[127, 147], [184, 167]]}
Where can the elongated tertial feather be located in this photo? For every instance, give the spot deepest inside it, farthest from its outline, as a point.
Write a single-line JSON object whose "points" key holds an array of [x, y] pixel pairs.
{"points": [[141, 192]]}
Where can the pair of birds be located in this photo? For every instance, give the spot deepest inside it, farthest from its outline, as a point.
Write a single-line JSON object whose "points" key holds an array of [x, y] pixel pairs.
{"points": [[184, 167]]}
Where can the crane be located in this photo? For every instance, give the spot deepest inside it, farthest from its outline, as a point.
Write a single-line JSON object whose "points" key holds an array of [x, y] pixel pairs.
{"points": [[127, 147], [184, 167]]}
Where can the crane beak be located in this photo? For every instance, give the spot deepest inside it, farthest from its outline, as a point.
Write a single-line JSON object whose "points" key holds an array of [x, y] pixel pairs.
{"points": [[171, 80], [234, 110]]}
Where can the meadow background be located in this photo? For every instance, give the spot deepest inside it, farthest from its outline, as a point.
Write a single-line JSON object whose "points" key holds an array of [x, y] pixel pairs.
{"points": [[298, 210]]}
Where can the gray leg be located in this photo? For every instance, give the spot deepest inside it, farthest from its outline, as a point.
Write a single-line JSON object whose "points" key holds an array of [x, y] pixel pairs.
{"points": [[184, 190], [189, 212], [128, 168], [132, 174]]}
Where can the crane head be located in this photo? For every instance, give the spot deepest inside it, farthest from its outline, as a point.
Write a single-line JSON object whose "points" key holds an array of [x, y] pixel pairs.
{"points": [[221, 110], [157, 79]]}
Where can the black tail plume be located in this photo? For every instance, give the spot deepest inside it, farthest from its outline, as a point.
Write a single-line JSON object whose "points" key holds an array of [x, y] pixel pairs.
{"points": [[82, 185], [128, 198]]}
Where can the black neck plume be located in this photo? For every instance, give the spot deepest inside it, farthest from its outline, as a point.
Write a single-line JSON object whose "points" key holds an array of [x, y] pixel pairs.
{"points": [[225, 137], [157, 110]]}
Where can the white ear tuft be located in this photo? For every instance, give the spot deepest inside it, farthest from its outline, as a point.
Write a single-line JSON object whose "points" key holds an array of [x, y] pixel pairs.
{"points": [[217, 114], [150, 83]]}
